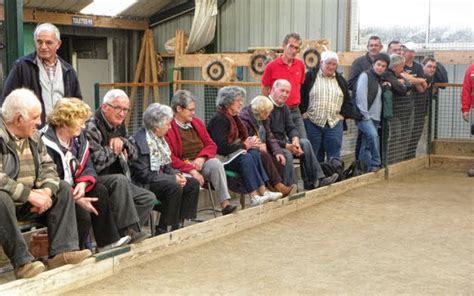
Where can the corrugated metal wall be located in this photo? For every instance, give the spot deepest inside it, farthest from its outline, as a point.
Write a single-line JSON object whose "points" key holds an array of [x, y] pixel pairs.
{"points": [[252, 23]]}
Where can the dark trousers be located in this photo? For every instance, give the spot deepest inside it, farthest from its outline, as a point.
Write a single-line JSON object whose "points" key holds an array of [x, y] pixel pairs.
{"points": [[250, 169], [60, 220], [130, 205], [177, 203], [272, 171], [105, 230]]}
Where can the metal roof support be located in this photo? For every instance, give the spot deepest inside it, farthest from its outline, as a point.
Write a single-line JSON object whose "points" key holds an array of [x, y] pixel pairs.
{"points": [[13, 31]]}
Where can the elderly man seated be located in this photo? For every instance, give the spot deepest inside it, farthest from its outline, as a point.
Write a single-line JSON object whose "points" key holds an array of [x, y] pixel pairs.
{"points": [[30, 188], [287, 136], [111, 152], [192, 149]]}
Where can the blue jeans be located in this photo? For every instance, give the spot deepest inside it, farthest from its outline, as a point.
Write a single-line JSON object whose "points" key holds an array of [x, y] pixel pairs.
{"points": [[250, 169], [327, 138], [370, 145]]}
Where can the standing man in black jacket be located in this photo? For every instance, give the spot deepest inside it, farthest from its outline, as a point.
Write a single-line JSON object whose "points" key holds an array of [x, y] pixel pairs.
{"points": [[44, 72], [363, 63]]}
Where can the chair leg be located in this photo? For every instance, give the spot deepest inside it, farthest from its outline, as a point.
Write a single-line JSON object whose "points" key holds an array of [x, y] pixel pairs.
{"points": [[242, 201], [209, 192], [152, 224]]}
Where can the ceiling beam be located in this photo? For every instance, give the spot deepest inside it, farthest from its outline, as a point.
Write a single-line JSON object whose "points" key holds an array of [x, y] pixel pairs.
{"points": [[170, 13], [70, 19]]}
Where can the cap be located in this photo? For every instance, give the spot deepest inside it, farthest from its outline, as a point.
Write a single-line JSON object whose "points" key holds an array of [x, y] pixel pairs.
{"points": [[410, 46]]}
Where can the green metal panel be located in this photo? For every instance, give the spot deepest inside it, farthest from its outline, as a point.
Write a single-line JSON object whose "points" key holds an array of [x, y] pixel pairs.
{"points": [[13, 30], [28, 40], [97, 95]]}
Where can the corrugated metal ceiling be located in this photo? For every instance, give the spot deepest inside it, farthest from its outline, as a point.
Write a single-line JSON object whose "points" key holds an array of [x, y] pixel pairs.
{"points": [[142, 8]]}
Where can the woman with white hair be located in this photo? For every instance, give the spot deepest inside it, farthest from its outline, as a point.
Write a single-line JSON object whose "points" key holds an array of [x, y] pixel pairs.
{"points": [[178, 194], [255, 118], [238, 150], [325, 103]]}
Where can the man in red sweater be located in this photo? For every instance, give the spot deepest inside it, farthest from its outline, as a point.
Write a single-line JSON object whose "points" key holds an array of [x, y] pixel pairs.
{"points": [[467, 101], [292, 69]]}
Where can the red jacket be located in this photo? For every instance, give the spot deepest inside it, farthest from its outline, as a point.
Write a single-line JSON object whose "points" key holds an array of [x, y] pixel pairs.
{"points": [[467, 95], [174, 141]]}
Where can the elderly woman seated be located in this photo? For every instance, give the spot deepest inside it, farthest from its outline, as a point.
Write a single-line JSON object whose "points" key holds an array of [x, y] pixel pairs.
{"points": [[255, 119], [192, 149], [68, 147], [238, 151], [178, 194]]}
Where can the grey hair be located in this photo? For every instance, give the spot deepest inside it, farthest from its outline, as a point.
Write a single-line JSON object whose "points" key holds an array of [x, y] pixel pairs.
{"points": [[227, 95], [279, 82], [329, 55], [47, 27], [157, 115], [112, 94], [182, 98], [293, 35], [395, 60], [261, 104], [20, 101]]}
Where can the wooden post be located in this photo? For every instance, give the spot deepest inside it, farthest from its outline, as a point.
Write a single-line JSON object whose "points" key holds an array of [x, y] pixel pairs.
{"points": [[136, 77], [146, 91], [154, 69], [146, 71], [179, 50]]}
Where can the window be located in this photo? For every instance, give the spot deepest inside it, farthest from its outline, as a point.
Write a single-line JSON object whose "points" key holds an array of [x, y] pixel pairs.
{"points": [[431, 24]]}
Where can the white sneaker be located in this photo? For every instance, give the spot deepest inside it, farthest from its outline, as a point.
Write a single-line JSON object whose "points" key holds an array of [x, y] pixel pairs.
{"points": [[121, 242], [273, 195], [258, 200]]}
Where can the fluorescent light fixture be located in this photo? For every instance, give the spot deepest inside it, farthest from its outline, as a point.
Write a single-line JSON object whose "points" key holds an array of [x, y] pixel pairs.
{"points": [[107, 7]]}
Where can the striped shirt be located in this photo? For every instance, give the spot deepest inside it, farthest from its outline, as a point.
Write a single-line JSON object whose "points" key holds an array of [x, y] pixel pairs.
{"points": [[325, 101], [27, 174]]}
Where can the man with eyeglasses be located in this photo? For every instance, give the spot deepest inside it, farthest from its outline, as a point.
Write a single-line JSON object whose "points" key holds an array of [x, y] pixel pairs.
{"points": [[44, 72], [192, 149], [292, 69], [110, 152]]}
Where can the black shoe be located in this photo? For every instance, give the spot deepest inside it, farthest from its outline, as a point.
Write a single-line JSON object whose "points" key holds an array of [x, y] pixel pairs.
{"points": [[328, 180], [309, 186], [176, 226], [159, 230], [229, 209], [136, 236]]}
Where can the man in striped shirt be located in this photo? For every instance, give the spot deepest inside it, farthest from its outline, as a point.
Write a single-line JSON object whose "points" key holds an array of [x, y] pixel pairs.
{"points": [[30, 188]]}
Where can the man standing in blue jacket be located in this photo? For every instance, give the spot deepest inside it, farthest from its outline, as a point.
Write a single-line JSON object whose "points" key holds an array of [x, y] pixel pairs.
{"points": [[44, 72]]}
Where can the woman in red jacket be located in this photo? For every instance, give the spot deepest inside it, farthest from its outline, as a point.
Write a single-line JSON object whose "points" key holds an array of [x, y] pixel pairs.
{"points": [[192, 149]]}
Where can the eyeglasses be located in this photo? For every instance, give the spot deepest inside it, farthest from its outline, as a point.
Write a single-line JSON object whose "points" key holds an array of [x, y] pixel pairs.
{"points": [[295, 48], [118, 109]]}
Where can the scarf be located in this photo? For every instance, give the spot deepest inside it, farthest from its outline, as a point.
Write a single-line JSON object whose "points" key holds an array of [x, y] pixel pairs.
{"points": [[237, 129], [184, 126], [160, 154]]}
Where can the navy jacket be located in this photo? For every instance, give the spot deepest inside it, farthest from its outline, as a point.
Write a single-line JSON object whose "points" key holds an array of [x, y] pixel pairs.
{"points": [[142, 175], [25, 73]]}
